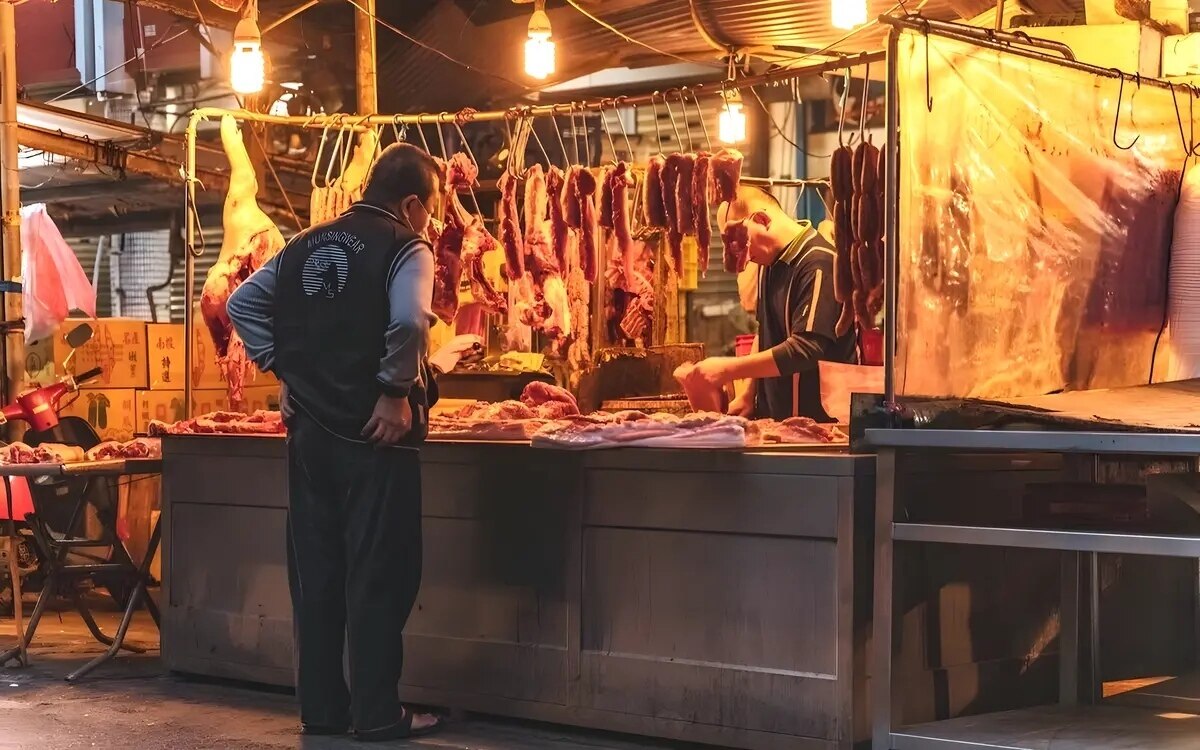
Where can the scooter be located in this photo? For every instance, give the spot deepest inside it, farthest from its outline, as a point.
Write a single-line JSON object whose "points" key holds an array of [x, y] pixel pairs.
{"points": [[39, 407]]}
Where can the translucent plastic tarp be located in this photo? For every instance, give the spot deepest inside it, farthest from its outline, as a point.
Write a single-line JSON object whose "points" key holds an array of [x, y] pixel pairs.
{"points": [[1033, 248]]}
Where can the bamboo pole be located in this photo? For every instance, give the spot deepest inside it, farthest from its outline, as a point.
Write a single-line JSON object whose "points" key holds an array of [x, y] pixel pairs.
{"points": [[11, 194], [10, 205]]}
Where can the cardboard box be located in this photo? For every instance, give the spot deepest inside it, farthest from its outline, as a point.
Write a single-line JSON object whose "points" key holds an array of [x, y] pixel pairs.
{"points": [[166, 358], [112, 411], [164, 344], [118, 347], [167, 406], [262, 398]]}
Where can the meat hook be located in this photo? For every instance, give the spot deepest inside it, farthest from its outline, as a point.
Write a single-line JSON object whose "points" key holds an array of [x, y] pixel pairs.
{"points": [[657, 131], [441, 138], [320, 152], [700, 115], [587, 143], [561, 143], [621, 124], [842, 107], [674, 125], [928, 89], [608, 133], [399, 130], [538, 138], [421, 132], [687, 125], [862, 103], [1117, 115], [336, 155], [1183, 139]]}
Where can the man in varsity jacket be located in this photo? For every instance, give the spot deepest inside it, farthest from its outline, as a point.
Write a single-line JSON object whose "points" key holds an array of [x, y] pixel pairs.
{"points": [[342, 317]]}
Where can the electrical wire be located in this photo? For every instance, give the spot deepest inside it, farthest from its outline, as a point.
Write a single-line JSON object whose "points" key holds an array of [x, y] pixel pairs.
{"points": [[429, 48], [609, 27], [779, 130], [118, 66]]}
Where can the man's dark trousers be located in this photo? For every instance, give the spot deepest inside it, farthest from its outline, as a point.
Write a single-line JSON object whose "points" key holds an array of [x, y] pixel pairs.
{"points": [[354, 565]]}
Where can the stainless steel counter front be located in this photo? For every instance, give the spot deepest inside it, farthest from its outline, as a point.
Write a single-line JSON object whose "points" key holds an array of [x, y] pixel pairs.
{"points": [[709, 596]]}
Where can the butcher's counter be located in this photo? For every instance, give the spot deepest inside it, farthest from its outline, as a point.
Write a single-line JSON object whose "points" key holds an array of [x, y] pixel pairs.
{"points": [[710, 596]]}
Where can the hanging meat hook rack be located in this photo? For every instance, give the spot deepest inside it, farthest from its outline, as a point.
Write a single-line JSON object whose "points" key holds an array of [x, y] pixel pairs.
{"points": [[459, 118]]}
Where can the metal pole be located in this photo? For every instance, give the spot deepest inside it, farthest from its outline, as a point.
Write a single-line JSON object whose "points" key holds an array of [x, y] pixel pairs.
{"points": [[891, 202], [364, 65], [10, 204], [189, 258]]}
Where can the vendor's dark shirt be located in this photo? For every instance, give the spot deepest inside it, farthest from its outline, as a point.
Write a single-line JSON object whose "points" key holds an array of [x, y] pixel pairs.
{"points": [[797, 316]]}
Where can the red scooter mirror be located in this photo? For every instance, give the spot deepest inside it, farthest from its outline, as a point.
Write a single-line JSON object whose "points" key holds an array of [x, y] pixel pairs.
{"points": [[76, 337], [79, 335]]}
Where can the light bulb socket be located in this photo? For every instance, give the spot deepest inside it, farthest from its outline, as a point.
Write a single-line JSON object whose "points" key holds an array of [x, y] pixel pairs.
{"points": [[246, 32], [539, 25]]}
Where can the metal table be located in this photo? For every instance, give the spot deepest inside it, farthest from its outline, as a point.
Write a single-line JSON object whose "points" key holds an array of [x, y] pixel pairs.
{"points": [[1090, 726], [52, 553]]}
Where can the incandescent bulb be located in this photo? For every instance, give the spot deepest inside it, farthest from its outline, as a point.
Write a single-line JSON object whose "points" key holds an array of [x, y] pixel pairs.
{"points": [[539, 48], [848, 14], [247, 69], [539, 57], [731, 123]]}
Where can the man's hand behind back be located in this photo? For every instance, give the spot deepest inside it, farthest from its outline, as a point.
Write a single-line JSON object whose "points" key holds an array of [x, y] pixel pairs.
{"points": [[390, 422]]}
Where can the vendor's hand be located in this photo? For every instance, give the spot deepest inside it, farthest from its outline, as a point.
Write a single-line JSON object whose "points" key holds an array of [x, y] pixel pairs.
{"points": [[390, 422], [285, 403], [446, 358], [713, 372], [742, 405]]}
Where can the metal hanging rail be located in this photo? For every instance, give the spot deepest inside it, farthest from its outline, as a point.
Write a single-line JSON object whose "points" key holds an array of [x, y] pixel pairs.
{"points": [[362, 122]]}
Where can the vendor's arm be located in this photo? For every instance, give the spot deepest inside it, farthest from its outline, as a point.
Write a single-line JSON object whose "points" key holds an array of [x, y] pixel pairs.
{"points": [[251, 309], [410, 296], [814, 318]]}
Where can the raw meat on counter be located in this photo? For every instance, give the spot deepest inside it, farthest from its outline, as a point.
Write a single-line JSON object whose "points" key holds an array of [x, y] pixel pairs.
{"points": [[549, 417], [635, 429], [251, 239], [223, 423], [115, 449], [46, 453]]}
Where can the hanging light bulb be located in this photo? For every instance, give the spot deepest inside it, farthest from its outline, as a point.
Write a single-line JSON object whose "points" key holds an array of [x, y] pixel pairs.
{"points": [[848, 14], [247, 69], [539, 48], [731, 123]]}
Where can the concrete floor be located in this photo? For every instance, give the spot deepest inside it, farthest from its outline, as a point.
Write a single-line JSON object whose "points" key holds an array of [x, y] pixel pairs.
{"points": [[131, 702]]}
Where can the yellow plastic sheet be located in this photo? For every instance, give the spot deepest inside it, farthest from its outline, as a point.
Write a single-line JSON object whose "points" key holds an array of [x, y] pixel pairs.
{"points": [[1033, 249]]}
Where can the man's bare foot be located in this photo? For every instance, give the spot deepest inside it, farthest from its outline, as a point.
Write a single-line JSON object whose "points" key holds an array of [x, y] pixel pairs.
{"points": [[422, 722]]}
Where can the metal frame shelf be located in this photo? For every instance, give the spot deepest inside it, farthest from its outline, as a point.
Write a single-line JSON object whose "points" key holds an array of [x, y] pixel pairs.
{"points": [[1066, 726]]}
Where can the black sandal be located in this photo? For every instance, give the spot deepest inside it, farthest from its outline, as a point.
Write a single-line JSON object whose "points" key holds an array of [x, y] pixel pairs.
{"points": [[401, 730]]}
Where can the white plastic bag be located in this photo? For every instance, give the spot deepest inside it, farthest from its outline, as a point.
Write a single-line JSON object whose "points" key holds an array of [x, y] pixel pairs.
{"points": [[54, 282]]}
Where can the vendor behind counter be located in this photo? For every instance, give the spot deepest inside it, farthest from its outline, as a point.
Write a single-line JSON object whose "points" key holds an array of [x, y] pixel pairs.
{"points": [[795, 310]]}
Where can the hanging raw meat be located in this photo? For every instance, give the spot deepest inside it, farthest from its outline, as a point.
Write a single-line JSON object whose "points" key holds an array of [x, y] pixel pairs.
{"points": [[461, 174], [726, 174], [606, 197], [543, 292], [656, 214], [555, 183], [448, 265], [251, 239], [669, 187], [685, 205], [700, 178], [508, 219], [585, 185], [570, 199]]}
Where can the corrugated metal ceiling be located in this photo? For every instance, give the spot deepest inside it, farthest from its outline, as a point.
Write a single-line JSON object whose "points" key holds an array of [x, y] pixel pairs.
{"points": [[414, 79]]}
